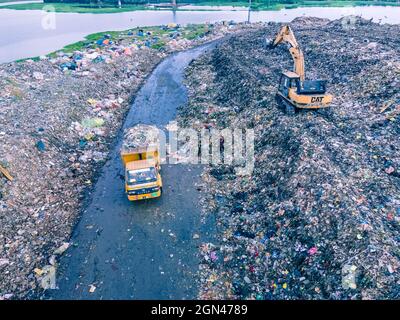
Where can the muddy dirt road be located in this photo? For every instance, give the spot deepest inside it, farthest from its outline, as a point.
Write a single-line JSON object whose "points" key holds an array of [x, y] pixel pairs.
{"points": [[142, 250]]}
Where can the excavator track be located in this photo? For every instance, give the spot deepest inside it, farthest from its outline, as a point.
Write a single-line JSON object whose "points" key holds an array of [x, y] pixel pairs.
{"points": [[287, 107]]}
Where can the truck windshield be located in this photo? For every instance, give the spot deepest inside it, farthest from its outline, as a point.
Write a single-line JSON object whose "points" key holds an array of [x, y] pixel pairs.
{"points": [[141, 176]]}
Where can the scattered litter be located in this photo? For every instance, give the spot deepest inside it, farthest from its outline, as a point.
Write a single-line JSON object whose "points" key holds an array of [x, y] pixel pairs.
{"points": [[6, 296], [47, 277], [213, 256], [40, 145], [349, 277], [68, 66], [5, 172], [38, 75], [312, 251], [62, 248], [93, 123], [4, 262]]}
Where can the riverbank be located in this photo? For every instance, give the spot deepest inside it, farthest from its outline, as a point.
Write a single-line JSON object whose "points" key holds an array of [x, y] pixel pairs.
{"points": [[16, 1], [270, 5], [58, 118], [151, 37], [32, 35], [76, 7], [319, 218], [206, 6]]}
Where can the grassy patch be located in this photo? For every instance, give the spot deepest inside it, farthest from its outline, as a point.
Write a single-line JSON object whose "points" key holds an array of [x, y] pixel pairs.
{"points": [[193, 31], [158, 45], [32, 58]]}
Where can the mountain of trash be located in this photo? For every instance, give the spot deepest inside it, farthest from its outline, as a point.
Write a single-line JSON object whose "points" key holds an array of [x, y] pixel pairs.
{"points": [[319, 218]]}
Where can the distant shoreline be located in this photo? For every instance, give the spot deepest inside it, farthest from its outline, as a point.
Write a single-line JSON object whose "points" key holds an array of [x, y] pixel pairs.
{"points": [[202, 6]]}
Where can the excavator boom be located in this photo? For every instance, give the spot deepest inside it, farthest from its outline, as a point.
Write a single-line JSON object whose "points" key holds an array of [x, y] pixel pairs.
{"points": [[286, 35]]}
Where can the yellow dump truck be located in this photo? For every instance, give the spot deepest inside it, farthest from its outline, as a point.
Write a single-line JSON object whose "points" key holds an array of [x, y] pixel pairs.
{"points": [[141, 158]]}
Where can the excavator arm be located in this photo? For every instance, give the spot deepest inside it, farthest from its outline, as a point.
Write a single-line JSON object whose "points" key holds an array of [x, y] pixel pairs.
{"points": [[286, 35]]}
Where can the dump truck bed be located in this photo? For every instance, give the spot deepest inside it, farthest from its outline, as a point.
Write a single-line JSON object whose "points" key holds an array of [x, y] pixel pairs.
{"points": [[140, 142], [141, 164], [139, 137], [139, 154]]}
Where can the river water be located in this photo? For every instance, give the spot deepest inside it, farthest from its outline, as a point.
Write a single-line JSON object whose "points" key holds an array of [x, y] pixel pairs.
{"points": [[29, 33]]}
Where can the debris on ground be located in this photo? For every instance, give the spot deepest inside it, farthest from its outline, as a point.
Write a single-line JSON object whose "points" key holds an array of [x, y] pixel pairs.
{"points": [[62, 248], [140, 136], [59, 115], [6, 173], [319, 216]]}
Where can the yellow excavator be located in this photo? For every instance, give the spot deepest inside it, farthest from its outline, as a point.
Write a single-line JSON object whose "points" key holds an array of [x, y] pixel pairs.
{"points": [[293, 90]]}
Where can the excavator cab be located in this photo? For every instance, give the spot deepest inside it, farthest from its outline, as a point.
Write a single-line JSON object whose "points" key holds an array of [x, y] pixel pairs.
{"points": [[288, 80], [308, 94]]}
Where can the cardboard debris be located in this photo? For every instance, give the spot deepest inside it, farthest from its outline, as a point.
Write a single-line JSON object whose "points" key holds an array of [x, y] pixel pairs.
{"points": [[6, 173]]}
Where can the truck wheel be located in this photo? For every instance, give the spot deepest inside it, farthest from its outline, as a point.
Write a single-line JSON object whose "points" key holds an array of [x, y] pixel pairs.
{"points": [[280, 102], [278, 99], [289, 109]]}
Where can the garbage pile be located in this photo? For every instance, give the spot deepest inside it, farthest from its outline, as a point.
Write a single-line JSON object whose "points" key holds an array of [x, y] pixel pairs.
{"points": [[110, 46], [59, 115], [140, 136], [319, 216]]}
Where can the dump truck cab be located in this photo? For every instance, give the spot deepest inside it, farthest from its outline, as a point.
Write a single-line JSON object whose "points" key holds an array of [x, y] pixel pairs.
{"points": [[142, 173], [307, 94]]}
